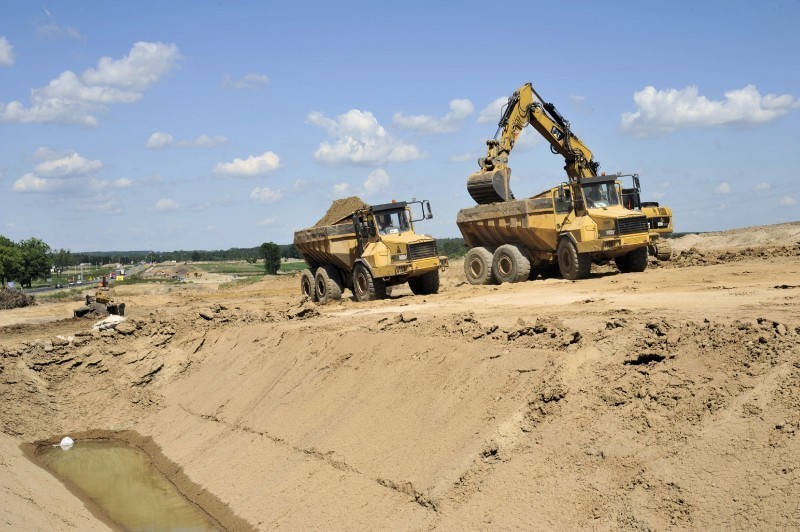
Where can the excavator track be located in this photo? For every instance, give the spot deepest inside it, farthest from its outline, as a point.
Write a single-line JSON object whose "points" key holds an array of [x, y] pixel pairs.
{"points": [[490, 186]]}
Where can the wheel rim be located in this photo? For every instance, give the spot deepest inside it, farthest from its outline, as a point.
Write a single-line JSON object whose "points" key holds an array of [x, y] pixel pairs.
{"points": [[504, 265], [361, 283], [566, 259], [305, 286], [321, 288], [476, 268]]}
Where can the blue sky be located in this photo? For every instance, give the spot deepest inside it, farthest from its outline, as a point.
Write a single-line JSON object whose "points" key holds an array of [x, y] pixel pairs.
{"points": [[206, 125]]}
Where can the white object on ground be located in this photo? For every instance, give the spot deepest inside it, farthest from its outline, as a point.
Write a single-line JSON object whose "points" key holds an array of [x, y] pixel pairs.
{"points": [[66, 443], [109, 323]]}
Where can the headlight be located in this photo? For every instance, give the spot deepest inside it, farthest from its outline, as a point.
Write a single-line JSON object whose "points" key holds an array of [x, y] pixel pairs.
{"points": [[400, 257]]}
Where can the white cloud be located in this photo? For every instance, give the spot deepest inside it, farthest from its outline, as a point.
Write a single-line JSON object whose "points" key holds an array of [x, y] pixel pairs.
{"points": [[265, 195], [6, 52], [67, 166], [265, 222], [491, 113], [249, 81], [376, 181], [460, 109], [34, 183], [787, 201], [723, 188], [205, 141], [166, 205], [123, 182], [159, 140], [463, 157], [53, 29], [73, 99], [762, 186], [661, 112], [359, 139], [341, 190], [250, 167]]}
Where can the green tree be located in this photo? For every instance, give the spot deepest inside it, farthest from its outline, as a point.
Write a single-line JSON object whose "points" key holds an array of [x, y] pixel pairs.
{"points": [[272, 257], [36, 260], [62, 259], [10, 261]]}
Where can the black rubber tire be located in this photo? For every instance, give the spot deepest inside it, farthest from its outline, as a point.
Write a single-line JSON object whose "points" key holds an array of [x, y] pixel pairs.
{"points": [[635, 261], [308, 286], [328, 284], [478, 266], [662, 250], [510, 265], [426, 284], [365, 287], [573, 265]]}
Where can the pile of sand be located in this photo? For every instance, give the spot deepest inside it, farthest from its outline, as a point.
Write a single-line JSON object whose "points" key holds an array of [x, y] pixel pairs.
{"points": [[341, 209]]}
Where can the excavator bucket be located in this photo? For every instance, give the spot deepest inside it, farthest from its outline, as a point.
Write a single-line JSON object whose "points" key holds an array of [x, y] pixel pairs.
{"points": [[490, 187]]}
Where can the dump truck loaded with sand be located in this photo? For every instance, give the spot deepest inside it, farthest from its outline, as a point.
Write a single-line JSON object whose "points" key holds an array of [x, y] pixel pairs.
{"points": [[368, 248]]}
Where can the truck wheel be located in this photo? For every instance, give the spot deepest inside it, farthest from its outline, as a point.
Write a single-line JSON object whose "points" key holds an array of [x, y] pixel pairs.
{"points": [[573, 265], [426, 284], [365, 287], [510, 265], [308, 285], [478, 266], [635, 261], [328, 284], [662, 250]]}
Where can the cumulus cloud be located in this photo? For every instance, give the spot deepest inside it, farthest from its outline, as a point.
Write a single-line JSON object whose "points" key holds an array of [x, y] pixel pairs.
{"points": [[723, 188], [376, 181], [59, 172], [123, 182], [264, 195], [661, 112], [6, 52], [249, 81], [254, 165], [430, 125], [77, 100], [166, 205], [491, 113], [341, 190], [159, 140], [762, 186], [787, 201], [359, 139]]}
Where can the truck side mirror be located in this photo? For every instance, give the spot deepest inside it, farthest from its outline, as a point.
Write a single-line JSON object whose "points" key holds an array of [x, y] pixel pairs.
{"points": [[427, 207]]}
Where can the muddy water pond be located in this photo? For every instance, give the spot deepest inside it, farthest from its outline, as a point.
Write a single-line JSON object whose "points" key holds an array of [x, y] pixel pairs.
{"points": [[122, 483]]}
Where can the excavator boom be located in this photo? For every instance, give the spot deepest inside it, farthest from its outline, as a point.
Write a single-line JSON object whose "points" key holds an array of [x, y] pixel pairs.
{"points": [[491, 183]]}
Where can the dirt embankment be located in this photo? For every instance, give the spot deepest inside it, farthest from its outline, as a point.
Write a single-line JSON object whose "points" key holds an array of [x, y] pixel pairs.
{"points": [[669, 398]]}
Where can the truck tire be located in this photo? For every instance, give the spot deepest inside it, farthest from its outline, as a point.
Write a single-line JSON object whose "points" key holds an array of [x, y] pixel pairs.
{"points": [[662, 250], [308, 285], [573, 265], [635, 261], [478, 266], [328, 283], [510, 265], [426, 284], [365, 287]]}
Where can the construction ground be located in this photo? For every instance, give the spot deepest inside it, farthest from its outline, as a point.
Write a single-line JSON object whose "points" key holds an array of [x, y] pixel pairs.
{"points": [[655, 400]]}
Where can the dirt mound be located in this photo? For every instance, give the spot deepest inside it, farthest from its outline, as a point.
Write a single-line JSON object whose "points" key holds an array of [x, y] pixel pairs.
{"points": [[14, 298], [759, 236], [702, 256], [341, 209]]}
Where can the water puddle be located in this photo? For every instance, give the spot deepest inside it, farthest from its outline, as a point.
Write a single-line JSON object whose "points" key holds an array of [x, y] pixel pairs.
{"points": [[124, 485]]}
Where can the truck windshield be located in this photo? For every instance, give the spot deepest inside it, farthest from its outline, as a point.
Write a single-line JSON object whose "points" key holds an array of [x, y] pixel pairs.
{"points": [[392, 222], [600, 195]]}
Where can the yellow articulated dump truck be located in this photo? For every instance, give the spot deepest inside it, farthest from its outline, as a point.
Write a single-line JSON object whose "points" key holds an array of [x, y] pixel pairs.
{"points": [[367, 250], [570, 226]]}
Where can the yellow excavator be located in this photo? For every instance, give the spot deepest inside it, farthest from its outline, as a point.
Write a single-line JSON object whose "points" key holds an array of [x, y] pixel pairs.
{"points": [[491, 183]]}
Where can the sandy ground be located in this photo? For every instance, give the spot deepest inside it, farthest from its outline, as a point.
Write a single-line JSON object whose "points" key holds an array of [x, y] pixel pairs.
{"points": [[663, 399]]}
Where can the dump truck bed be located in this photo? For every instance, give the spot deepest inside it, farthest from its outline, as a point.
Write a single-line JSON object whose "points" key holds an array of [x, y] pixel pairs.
{"points": [[329, 244], [527, 222]]}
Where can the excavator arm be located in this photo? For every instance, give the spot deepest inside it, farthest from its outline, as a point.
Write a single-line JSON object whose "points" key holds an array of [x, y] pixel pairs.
{"points": [[525, 106]]}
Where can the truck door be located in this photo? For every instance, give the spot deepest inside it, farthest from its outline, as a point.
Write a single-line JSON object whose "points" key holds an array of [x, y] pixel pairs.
{"points": [[364, 225]]}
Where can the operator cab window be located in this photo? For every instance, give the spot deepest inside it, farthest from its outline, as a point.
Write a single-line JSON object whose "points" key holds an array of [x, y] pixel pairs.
{"points": [[393, 222], [563, 203]]}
